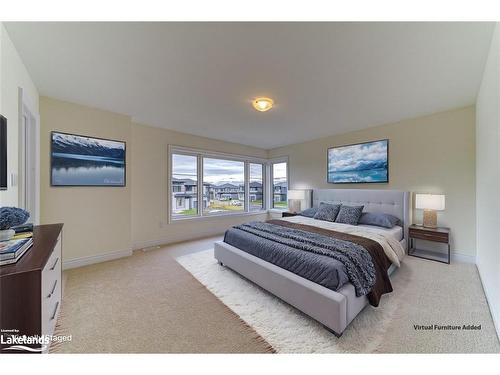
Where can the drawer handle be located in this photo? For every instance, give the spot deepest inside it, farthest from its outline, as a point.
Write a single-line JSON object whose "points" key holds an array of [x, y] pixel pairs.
{"points": [[53, 289], [427, 234], [54, 265], [55, 311]]}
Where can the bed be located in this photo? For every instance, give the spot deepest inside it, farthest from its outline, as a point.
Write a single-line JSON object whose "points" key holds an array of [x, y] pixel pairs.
{"points": [[315, 296]]}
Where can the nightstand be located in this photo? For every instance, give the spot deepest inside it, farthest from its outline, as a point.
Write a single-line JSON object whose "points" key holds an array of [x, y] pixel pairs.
{"points": [[441, 235], [288, 214]]}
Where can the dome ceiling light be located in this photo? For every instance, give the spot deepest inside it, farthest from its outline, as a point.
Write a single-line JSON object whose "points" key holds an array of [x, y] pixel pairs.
{"points": [[263, 104]]}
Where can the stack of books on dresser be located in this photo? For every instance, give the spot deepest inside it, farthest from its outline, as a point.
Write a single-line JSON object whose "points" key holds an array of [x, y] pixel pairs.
{"points": [[12, 250]]}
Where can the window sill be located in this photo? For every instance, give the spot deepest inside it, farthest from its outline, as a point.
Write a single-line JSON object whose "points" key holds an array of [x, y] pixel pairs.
{"points": [[222, 215]]}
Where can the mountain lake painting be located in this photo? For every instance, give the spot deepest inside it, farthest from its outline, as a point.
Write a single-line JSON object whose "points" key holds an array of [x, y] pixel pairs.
{"points": [[85, 161], [359, 163]]}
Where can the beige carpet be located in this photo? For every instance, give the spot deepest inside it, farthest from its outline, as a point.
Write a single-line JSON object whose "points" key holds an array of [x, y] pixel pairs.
{"points": [[425, 293], [148, 303]]}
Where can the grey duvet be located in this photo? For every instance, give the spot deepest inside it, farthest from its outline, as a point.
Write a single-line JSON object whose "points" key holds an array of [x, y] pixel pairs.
{"points": [[318, 258]]}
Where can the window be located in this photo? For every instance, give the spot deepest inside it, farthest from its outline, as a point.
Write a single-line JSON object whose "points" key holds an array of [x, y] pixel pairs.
{"points": [[280, 185], [224, 186], [256, 187], [184, 179], [204, 183]]}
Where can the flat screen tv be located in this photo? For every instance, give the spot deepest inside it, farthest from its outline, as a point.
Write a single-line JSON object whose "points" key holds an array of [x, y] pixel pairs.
{"points": [[78, 160], [366, 162], [3, 153]]}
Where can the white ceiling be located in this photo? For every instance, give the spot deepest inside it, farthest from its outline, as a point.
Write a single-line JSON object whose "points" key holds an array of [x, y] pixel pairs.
{"points": [[200, 78]]}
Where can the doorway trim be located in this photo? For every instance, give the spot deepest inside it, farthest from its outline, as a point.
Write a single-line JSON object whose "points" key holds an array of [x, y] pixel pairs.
{"points": [[27, 109]]}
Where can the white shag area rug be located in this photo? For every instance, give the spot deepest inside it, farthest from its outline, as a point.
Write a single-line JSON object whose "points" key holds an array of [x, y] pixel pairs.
{"points": [[287, 329], [387, 328]]}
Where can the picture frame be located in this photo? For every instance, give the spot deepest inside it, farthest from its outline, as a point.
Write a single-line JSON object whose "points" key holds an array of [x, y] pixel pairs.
{"points": [[86, 161], [364, 162]]}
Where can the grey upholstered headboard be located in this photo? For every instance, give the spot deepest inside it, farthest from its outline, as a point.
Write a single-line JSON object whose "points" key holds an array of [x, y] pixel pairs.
{"points": [[392, 202]]}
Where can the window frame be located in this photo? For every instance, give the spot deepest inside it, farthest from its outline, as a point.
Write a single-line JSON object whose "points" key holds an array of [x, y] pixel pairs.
{"points": [[270, 195], [264, 186], [200, 154], [169, 188]]}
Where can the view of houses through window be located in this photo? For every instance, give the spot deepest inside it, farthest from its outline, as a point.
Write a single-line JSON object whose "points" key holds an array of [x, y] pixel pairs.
{"points": [[184, 185], [256, 187], [224, 186], [280, 185]]}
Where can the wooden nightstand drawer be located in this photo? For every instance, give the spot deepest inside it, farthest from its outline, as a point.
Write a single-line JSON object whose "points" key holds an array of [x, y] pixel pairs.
{"points": [[428, 235]]}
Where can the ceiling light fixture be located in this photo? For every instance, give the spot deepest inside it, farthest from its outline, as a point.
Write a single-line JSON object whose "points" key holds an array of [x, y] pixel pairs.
{"points": [[263, 104]]}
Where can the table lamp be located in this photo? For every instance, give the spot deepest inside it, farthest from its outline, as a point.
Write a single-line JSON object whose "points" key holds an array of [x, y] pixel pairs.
{"points": [[295, 198], [430, 203]]}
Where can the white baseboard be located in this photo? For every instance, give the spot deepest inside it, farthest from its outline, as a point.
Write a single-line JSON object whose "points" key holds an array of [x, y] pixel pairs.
{"points": [[462, 258], [455, 257], [140, 245], [492, 312], [85, 261], [438, 248], [171, 240]]}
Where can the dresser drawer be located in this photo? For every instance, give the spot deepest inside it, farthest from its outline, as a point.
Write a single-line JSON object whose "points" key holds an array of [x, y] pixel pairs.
{"points": [[52, 270], [50, 310], [51, 290], [429, 235]]}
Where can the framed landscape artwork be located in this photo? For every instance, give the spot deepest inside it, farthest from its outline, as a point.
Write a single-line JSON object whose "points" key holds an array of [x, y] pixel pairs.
{"points": [[359, 163], [78, 160]]}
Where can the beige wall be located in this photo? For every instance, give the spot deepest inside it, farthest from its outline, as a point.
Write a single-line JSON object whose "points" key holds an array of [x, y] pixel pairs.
{"points": [[149, 193], [488, 178], [96, 219], [13, 75], [428, 154], [101, 221], [433, 154]]}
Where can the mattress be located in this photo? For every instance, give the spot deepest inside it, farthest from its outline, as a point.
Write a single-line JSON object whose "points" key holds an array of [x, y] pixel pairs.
{"points": [[394, 232]]}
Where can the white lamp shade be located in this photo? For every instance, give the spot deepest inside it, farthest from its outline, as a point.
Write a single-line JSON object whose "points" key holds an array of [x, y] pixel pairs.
{"points": [[429, 202], [296, 194]]}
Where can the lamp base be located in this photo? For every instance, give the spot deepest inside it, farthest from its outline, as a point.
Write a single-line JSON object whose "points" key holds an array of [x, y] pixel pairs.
{"points": [[430, 219], [294, 205]]}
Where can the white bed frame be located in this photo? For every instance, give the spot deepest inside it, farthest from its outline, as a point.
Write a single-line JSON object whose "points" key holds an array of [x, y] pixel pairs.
{"points": [[334, 309]]}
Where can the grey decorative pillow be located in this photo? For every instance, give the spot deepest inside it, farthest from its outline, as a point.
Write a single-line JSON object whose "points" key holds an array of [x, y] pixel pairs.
{"points": [[310, 212], [379, 219], [349, 214], [327, 211]]}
